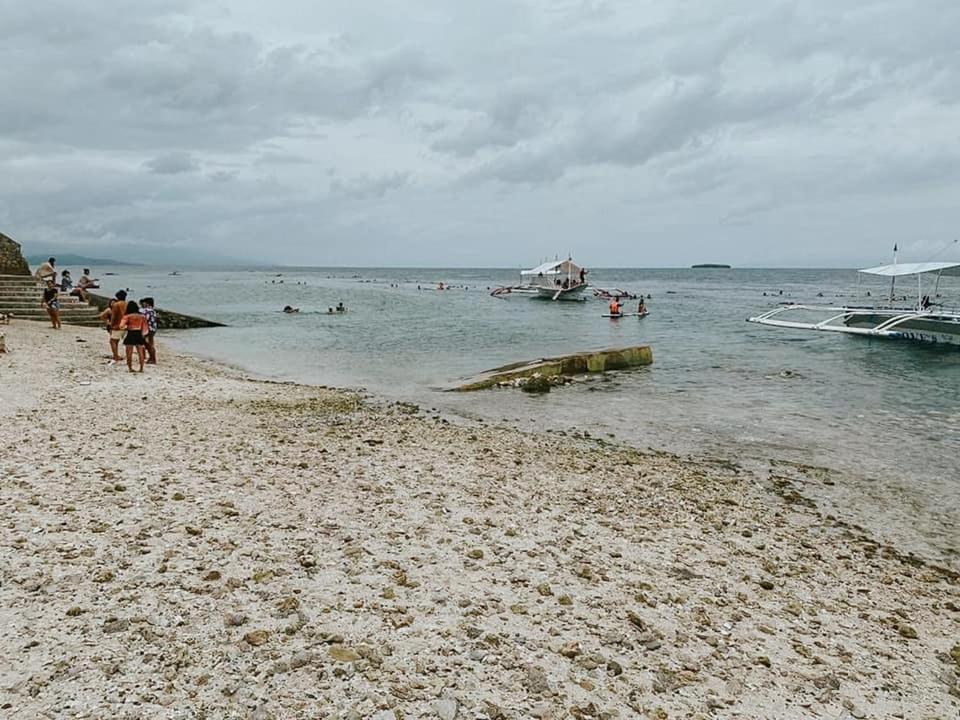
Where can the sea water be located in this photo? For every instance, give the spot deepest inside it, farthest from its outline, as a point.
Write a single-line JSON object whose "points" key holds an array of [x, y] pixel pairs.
{"points": [[884, 414]]}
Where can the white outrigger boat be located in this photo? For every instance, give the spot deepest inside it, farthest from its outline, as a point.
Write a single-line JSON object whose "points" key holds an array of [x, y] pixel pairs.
{"points": [[555, 280], [926, 321]]}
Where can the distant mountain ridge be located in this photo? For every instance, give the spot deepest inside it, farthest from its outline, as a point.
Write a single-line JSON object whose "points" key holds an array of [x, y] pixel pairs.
{"points": [[64, 259]]}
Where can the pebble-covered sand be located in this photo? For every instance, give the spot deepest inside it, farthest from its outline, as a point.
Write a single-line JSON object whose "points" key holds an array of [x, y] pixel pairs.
{"points": [[193, 543]]}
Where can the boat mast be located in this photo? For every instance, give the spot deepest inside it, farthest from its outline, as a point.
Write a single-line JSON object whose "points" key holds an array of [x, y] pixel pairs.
{"points": [[893, 278]]}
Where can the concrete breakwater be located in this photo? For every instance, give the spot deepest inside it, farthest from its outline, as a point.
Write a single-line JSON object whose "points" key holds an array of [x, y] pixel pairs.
{"points": [[166, 319], [575, 364]]}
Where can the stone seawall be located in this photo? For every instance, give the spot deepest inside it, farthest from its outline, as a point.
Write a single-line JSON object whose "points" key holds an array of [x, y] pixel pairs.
{"points": [[12, 261], [166, 319]]}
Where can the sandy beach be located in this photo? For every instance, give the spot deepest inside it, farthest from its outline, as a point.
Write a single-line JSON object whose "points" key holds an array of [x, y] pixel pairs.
{"points": [[193, 542]]}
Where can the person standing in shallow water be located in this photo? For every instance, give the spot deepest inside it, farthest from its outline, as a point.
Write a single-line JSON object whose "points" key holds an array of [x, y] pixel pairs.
{"points": [[136, 328], [51, 302]]}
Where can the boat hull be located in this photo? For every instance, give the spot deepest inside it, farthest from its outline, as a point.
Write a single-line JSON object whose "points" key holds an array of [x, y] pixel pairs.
{"points": [[930, 329], [893, 324], [554, 293]]}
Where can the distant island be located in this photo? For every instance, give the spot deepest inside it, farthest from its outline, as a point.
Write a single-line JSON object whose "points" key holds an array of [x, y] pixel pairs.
{"points": [[712, 265], [64, 259]]}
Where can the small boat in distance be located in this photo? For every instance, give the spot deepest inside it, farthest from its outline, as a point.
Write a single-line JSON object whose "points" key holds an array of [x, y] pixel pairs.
{"points": [[712, 266], [555, 280], [927, 321]]}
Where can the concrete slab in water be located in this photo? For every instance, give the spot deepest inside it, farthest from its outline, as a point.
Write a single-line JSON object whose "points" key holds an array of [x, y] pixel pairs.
{"points": [[575, 364]]}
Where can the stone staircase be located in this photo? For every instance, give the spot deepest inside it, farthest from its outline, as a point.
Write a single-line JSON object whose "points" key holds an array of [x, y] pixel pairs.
{"points": [[20, 296]]}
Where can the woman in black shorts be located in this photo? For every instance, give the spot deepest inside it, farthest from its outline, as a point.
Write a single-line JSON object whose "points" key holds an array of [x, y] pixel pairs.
{"points": [[136, 326]]}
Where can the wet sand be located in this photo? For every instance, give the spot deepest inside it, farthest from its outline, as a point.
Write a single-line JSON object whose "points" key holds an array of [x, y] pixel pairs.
{"points": [[193, 542]]}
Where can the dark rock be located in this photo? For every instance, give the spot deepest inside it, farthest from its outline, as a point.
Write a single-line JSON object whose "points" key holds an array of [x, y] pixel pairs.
{"points": [[536, 385]]}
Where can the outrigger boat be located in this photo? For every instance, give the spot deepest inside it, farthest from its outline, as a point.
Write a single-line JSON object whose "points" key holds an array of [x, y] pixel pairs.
{"points": [[604, 294], [556, 280], [926, 321]]}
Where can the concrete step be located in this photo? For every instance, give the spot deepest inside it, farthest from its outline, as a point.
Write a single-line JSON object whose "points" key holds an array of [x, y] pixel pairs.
{"points": [[65, 318], [28, 294], [35, 298], [65, 307], [36, 307], [42, 315]]}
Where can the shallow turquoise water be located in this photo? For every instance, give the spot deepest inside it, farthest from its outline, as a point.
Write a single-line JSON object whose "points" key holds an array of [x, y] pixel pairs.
{"points": [[887, 414]]}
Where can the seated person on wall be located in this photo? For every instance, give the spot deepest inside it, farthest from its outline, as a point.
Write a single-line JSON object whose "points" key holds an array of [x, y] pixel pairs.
{"points": [[47, 271], [85, 283]]}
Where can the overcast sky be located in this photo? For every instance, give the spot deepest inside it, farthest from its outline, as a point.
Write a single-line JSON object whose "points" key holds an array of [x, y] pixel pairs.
{"points": [[432, 132]]}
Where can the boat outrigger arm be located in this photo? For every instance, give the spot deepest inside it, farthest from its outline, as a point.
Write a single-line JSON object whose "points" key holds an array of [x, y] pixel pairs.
{"points": [[923, 322]]}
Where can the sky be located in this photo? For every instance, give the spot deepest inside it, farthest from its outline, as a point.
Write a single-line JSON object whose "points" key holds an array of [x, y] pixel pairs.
{"points": [[639, 133]]}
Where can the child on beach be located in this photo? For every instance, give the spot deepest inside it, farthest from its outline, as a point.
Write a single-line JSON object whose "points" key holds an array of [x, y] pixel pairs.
{"points": [[147, 310], [136, 328], [51, 302]]}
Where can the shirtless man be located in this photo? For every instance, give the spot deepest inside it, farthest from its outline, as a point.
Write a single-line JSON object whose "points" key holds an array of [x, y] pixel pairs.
{"points": [[114, 315]]}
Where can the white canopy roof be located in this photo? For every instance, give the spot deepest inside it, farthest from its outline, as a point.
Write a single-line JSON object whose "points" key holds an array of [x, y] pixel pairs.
{"points": [[554, 267], [896, 270]]}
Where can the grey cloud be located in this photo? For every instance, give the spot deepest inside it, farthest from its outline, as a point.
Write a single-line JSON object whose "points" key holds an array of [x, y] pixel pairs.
{"points": [[172, 163], [174, 121], [682, 113], [138, 77], [508, 120], [273, 157], [369, 187]]}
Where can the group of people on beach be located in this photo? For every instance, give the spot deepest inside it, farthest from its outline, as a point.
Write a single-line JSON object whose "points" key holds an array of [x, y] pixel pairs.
{"points": [[47, 273], [133, 324]]}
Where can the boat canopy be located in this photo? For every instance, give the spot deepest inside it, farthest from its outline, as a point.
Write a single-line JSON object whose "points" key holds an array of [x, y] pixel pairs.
{"points": [[555, 267], [948, 269]]}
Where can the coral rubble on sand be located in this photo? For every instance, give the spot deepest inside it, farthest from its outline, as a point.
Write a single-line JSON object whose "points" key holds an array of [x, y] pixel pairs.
{"points": [[214, 546]]}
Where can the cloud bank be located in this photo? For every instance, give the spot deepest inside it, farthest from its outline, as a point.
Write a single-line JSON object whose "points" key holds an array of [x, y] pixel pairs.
{"points": [[642, 133]]}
